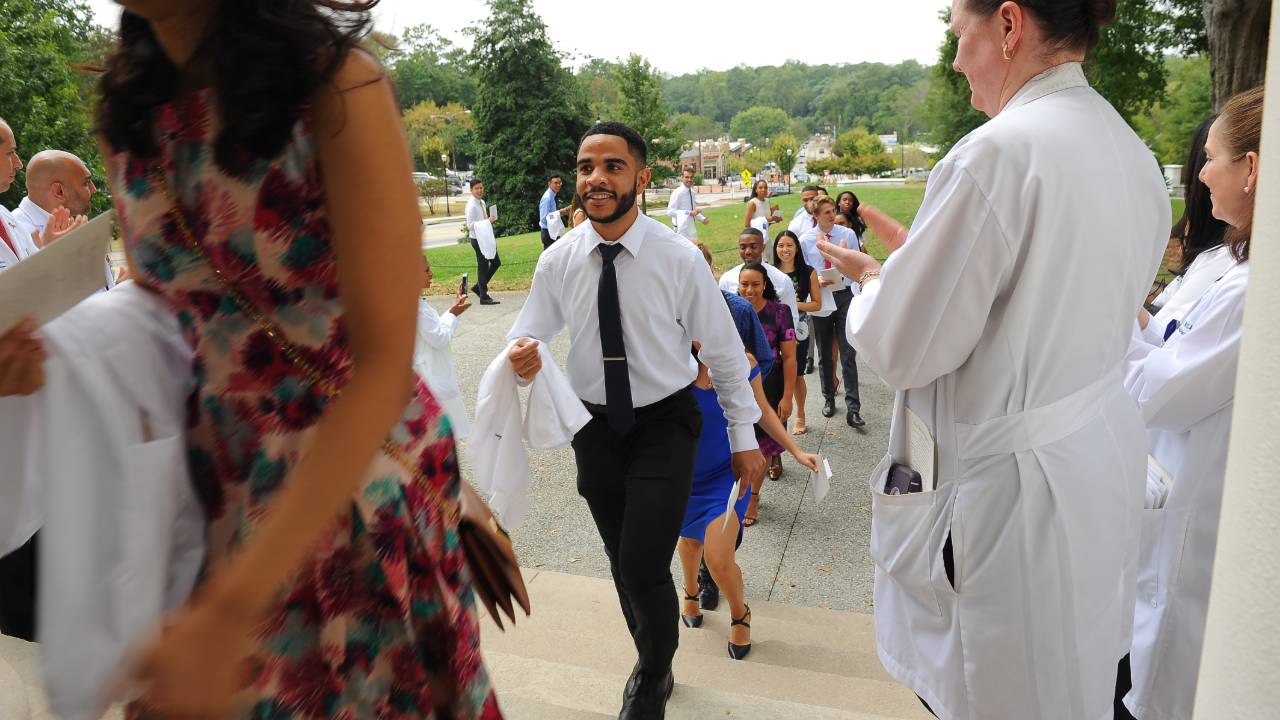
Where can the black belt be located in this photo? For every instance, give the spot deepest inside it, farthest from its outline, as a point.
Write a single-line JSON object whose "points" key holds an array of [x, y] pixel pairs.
{"points": [[673, 397]]}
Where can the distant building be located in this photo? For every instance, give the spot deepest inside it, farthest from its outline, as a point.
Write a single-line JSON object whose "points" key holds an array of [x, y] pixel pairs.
{"points": [[709, 157], [889, 141]]}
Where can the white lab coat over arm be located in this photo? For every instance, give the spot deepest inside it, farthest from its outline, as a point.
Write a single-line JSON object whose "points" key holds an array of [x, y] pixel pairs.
{"points": [[1192, 376], [937, 289]]}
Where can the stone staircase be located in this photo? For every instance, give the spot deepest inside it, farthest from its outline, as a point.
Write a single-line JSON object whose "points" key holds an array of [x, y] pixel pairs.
{"points": [[570, 660]]}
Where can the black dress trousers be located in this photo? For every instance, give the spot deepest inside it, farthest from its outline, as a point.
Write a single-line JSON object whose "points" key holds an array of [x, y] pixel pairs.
{"points": [[18, 580], [637, 487]]}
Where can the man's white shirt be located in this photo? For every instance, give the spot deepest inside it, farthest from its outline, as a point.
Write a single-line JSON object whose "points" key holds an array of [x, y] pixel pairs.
{"points": [[801, 222], [781, 283], [20, 234], [684, 200], [668, 299], [474, 214]]}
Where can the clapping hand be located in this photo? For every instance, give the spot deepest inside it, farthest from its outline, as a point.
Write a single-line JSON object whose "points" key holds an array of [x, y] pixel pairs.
{"points": [[60, 223]]}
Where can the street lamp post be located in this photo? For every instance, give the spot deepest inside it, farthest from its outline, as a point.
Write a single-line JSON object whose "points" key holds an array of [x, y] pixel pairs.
{"points": [[790, 167], [444, 161]]}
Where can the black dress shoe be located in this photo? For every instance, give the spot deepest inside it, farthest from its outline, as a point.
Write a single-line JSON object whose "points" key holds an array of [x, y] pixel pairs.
{"points": [[489, 301], [854, 419], [829, 407], [647, 697], [708, 591]]}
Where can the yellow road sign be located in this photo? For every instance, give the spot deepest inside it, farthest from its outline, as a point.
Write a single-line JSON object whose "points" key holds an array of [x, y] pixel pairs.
{"points": [[746, 176]]}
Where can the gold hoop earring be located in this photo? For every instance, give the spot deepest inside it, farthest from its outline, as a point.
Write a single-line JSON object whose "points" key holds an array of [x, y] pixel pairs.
{"points": [[1004, 49]]}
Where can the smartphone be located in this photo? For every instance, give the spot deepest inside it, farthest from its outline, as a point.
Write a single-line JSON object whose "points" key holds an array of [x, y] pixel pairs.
{"points": [[902, 480], [462, 287]]}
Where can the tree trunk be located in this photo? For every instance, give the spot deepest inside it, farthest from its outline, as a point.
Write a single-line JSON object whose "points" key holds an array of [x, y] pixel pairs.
{"points": [[1237, 32]]}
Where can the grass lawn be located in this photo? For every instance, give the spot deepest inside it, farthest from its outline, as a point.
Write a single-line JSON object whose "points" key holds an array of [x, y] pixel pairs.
{"points": [[520, 252]]}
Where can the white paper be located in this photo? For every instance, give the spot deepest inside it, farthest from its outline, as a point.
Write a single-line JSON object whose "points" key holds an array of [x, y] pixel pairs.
{"points": [[831, 275], [57, 278], [921, 450], [1159, 482], [733, 499], [493, 211], [821, 480]]}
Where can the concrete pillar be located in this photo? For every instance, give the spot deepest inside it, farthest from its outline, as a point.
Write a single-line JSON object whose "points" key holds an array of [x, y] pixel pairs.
{"points": [[1240, 662]]}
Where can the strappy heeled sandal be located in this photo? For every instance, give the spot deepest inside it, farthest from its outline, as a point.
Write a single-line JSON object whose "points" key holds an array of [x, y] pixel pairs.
{"points": [[738, 652], [691, 621]]}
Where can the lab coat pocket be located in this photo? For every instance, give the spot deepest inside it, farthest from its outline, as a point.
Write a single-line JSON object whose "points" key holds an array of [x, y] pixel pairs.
{"points": [[901, 528], [1160, 553]]}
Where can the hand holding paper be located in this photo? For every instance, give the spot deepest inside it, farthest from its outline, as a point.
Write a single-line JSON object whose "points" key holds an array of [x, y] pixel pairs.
{"points": [[58, 277], [821, 480]]}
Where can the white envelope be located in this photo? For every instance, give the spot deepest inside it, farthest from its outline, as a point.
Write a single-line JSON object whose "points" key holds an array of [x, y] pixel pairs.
{"points": [[57, 278], [821, 480], [733, 500]]}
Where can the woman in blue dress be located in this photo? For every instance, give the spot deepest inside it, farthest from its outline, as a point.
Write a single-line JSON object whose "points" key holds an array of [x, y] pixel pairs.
{"points": [[706, 531]]}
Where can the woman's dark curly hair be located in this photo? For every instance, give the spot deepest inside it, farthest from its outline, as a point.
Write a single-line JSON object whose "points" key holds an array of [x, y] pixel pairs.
{"points": [[266, 59]]}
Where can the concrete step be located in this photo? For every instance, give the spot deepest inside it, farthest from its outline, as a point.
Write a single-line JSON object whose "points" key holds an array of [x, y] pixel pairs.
{"points": [[575, 653]]}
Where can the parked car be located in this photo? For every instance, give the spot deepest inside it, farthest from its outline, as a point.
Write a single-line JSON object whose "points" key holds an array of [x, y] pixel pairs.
{"points": [[801, 177]]}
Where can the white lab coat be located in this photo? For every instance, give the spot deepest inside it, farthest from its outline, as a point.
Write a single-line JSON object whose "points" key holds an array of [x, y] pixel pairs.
{"points": [[1186, 388], [496, 442], [481, 228], [1186, 289], [434, 364], [105, 458], [1004, 326], [682, 209], [20, 234]]}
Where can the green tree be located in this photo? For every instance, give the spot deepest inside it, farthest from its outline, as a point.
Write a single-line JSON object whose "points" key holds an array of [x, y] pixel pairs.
{"points": [[1188, 101], [757, 123], [529, 112], [1127, 68], [43, 95], [947, 107], [599, 81], [433, 130], [426, 66], [697, 127], [784, 151], [643, 108]]}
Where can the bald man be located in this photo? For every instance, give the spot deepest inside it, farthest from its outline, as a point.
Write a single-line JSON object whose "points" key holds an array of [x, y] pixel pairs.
{"points": [[55, 179], [15, 238]]}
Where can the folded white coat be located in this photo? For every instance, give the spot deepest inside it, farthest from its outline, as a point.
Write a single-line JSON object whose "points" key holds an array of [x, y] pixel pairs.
{"points": [[485, 239], [496, 444], [555, 225], [104, 475]]}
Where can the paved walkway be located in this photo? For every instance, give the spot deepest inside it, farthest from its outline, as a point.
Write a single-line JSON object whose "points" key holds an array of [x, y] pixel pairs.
{"points": [[799, 553]]}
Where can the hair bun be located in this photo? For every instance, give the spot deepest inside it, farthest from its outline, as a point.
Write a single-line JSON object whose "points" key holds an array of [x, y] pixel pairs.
{"points": [[1100, 12]]}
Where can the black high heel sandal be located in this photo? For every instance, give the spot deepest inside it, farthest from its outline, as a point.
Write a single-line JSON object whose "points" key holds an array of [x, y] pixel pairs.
{"points": [[691, 621], [738, 652]]}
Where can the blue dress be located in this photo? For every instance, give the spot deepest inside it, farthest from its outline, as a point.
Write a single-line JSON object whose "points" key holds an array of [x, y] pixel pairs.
{"points": [[712, 470]]}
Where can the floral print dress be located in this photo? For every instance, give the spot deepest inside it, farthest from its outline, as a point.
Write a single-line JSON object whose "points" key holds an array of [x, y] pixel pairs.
{"points": [[381, 622]]}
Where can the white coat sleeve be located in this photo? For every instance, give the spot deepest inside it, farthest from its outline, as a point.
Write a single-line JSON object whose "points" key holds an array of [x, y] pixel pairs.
{"points": [[434, 329], [1193, 374], [924, 317], [541, 317], [706, 318]]}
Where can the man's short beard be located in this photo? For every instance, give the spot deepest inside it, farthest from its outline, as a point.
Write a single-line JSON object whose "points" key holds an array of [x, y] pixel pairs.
{"points": [[626, 201]]}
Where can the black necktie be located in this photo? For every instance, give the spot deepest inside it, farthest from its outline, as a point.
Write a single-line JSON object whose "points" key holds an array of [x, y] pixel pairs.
{"points": [[617, 383]]}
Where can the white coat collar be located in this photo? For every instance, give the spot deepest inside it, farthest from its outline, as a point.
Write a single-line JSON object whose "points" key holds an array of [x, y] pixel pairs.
{"points": [[632, 239], [39, 216], [1055, 79]]}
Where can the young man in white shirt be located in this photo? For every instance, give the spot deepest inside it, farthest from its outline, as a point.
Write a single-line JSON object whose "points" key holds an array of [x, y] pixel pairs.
{"points": [[837, 296], [635, 297], [802, 221], [751, 250], [485, 267], [684, 204], [547, 206]]}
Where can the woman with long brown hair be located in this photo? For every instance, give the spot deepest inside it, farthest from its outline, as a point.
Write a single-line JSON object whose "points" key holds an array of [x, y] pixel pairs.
{"points": [[1183, 375], [262, 185]]}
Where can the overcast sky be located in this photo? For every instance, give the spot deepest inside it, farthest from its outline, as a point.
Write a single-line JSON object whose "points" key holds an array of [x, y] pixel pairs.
{"points": [[682, 36]]}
